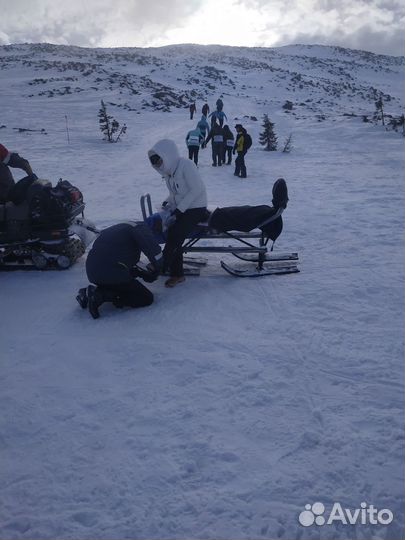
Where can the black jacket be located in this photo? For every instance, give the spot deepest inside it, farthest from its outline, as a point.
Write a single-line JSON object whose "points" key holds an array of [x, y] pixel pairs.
{"points": [[216, 135], [117, 250]]}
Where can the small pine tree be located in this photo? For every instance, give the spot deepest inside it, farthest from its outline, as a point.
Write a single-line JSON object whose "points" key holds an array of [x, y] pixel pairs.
{"points": [[268, 138], [109, 126], [288, 144]]}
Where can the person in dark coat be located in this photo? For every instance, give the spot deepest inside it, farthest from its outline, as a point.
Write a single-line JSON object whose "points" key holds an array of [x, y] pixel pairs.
{"points": [[112, 266], [205, 110], [216, 136], [229, 140], [193, 109], [242, 144], [14, 160]]}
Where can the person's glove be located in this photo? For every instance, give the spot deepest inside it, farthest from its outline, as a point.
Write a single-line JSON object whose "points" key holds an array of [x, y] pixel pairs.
{"points": [[149, 277]]}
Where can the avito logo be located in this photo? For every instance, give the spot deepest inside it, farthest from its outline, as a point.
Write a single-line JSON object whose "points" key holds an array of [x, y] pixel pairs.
{"points": [[365, 515]]}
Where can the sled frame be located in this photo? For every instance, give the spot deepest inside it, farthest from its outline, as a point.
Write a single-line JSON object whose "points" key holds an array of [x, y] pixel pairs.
{"points": [[244, 240]]}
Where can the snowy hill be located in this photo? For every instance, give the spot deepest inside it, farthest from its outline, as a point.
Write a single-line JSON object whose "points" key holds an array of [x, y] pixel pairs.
{"points": [[229, 404]]}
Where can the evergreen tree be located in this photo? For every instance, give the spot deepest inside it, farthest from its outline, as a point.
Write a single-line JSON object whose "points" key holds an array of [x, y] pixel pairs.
{"points": [[268, 138], [109, 126]]}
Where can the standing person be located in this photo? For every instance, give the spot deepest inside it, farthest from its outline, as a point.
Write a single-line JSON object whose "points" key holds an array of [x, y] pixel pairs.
{"points": [[205, 110], [112, 266], [10, 159], [218, 115], [216, 136], [193, 108], [242, 144], [187, 202], [193, 140], [228, 145], [203, 126]]}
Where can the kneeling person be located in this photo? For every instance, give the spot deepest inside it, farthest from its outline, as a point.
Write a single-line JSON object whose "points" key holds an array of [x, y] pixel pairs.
{"points": [[112, 266]]}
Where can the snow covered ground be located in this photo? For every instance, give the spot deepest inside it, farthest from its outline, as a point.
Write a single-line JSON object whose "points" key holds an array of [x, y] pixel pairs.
{"points": [[228, 405]]}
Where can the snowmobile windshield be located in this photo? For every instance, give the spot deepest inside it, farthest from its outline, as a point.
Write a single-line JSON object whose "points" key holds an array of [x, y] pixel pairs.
{"points": [[167, 150]]}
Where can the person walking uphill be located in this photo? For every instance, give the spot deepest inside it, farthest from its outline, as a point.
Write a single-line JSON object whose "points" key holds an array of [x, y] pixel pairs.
{"points": [[229, 141], [194, 139], [112, 266], [193, 109], [216, 136], [242, 144], [187, 202]]}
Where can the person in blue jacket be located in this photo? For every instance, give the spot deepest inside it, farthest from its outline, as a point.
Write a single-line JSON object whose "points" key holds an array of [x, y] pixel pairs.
{"points": [[194, 139], [203, 126], [218, 115]]}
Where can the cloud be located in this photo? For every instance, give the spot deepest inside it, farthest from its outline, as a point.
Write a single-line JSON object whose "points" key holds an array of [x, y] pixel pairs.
{"points": [[375, 25], [92, 22]]}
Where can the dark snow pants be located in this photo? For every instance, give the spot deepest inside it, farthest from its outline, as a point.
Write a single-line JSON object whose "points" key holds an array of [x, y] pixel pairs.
{"points": [[193, 153], [176, 234], [131, 294], [240, 167], [227, 154], [217, 152]]}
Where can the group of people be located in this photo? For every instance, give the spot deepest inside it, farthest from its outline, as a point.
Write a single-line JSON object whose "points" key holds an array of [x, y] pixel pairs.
{"points": [[112, 265], [223, 142]]}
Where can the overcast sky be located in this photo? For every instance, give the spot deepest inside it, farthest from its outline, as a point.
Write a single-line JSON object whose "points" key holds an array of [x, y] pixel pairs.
{"points": [[373, 25]]}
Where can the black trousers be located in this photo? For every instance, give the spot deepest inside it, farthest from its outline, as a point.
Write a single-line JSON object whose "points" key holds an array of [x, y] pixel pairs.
{"points": [[240, 167], [132, 294], [217, 153], [193, 153], [227, 154], [176, 234]]}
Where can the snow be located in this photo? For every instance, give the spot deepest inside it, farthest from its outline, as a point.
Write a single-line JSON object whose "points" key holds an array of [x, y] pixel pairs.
{"points": [[229, 404]]}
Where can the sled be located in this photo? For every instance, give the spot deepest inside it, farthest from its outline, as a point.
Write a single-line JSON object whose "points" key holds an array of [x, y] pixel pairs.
{"points": [[250, 246]]}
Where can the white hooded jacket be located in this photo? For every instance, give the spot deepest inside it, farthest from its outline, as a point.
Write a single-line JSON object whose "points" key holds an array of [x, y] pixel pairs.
{"points": [[186, 188]]}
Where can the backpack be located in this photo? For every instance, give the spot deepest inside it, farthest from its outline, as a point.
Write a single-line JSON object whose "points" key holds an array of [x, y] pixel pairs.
{"points": [[247, 141], [53, 206]]}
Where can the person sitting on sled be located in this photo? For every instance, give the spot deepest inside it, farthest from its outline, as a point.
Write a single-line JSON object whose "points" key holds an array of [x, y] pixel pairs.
{"points": [[112, 266], [187, 202], [10, 159]]}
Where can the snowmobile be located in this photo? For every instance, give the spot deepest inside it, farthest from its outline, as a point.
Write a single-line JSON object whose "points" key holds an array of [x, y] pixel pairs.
{"points": [[244, 225], [43, 227]]}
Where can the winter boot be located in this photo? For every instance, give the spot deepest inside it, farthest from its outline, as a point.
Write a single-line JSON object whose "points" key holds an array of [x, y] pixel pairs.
{"points": [[174, 280], [95, 299], [82, 298]]}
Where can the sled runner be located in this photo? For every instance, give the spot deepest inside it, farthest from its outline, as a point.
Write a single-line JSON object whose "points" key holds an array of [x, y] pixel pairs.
{"points": [[248, 227], [42, 226]]}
